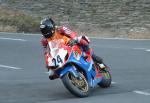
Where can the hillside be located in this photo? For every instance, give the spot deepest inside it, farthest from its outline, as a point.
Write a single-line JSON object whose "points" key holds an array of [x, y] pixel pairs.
{"points": [[106, 18]]}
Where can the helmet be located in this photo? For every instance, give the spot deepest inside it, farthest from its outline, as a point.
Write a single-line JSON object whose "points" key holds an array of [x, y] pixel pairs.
{"points": [[47, 27]]}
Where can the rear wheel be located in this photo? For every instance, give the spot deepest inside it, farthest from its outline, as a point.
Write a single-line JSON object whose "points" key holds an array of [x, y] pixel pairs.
{"points": [[106, 78], [78, 87]]}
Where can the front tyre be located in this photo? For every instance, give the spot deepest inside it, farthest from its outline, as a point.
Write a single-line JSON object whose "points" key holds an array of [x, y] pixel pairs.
{"points": [[78, 87]]}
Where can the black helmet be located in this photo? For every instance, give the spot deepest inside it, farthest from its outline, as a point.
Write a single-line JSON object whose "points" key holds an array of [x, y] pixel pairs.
{"points": [[47, 27]]}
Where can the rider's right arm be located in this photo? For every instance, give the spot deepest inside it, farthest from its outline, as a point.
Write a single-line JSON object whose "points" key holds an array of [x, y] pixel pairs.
{"points": [[44, 42]]}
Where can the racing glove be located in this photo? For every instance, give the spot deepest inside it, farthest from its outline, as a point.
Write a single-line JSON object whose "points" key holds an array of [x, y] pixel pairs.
{"points": [[73, 42]]}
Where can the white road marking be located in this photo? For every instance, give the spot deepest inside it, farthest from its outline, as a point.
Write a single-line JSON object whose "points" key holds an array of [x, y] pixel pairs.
{"points": [[113, 82], [12, 39], [142, 93], [33, 35], [139, 48], [117, 38], [30, 34], [148, 50], [145, 49], [9, 67]]}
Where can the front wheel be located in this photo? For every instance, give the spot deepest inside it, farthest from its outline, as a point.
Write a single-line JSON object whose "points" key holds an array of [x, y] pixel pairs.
{"points": [[78, 87]]}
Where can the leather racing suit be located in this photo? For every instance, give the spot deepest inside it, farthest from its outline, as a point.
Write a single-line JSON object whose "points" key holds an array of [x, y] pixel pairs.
{"points": [[68, 36]]}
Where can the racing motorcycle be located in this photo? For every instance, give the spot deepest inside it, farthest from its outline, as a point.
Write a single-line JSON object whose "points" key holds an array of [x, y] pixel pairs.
{"points": [[78, 72]]}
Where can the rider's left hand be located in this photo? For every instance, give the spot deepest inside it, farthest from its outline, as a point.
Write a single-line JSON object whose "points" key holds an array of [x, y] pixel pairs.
{"points": [[73, 42]]}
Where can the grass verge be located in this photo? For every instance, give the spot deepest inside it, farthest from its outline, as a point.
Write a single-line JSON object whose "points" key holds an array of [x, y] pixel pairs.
{"points": [[16, 21]]}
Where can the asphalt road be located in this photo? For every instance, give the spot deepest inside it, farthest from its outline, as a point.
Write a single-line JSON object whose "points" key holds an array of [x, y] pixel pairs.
{"points": [[23, 77]]}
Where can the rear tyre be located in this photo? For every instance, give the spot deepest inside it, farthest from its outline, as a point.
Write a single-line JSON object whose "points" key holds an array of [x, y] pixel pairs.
{"points": [[106, 78], [78, 87]]}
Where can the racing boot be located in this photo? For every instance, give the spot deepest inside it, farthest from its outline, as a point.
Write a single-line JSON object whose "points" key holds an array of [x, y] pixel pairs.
{"points": [[52, 75], [98, 61]]}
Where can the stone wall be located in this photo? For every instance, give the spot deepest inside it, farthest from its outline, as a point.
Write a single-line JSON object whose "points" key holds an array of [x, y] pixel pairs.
{"points": [[114, 18]]}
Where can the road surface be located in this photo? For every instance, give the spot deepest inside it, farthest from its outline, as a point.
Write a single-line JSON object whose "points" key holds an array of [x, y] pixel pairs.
{"points": [[23, 77]]}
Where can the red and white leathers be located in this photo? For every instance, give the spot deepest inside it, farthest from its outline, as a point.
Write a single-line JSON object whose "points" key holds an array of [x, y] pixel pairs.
{"points": [[67, 35]]}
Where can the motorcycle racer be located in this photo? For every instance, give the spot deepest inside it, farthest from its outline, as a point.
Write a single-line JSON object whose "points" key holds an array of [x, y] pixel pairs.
{"points": [[51, 32]]}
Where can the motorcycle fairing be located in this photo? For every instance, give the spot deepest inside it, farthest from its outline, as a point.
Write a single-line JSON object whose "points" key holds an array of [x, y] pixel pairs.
{"points": [[92, 76]]}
